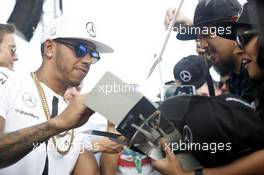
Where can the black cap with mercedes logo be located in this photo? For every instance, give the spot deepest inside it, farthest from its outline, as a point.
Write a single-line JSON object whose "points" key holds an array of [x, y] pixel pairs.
{"points": [[208, 12], [218, 120], [191, 70]]}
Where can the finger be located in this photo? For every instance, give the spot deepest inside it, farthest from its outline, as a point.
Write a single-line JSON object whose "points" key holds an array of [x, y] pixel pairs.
{"points": [[123, 138], [171, 13], [160, 165], [115, 148], [165, 146], [169, 17], [167, 22], [110, 125], [119, 148]]}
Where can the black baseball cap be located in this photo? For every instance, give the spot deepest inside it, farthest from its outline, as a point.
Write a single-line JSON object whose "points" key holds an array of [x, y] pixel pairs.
{"points": [[245, 18], [209, 11], [216, 121], [191, 70]]}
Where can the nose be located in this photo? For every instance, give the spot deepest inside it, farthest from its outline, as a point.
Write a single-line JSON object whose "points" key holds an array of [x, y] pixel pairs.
{"points": [[203, 43], [15, 57]]}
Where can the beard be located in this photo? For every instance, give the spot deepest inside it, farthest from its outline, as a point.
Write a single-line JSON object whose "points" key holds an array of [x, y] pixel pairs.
{"points": [[65, 74], [224, 67]]}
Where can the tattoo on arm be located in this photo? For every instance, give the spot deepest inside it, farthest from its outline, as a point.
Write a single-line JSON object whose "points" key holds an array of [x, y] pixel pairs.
{"points": [[15, 145]]}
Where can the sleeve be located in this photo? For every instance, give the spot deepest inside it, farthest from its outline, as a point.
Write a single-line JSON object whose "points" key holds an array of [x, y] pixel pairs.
{"points": [[5, 87]]}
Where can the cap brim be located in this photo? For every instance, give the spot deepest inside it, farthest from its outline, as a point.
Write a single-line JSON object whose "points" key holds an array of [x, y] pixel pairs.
{"points": [[192, 36], [186, 37], [100, 46], [233, 28], [214, 23]]}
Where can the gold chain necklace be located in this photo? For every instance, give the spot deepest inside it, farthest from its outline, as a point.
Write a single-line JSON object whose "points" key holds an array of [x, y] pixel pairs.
{"points": [[47, 114]]}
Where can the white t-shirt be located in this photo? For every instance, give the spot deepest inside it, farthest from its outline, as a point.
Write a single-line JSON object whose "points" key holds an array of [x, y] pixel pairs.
{"points": [[21, 107]]}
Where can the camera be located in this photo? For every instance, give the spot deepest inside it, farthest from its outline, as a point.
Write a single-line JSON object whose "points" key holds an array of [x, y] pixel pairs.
{"points": [[177, 90]]}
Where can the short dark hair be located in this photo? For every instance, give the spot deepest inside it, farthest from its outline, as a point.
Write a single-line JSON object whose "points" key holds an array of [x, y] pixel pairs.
{"points": [[6, 28]]}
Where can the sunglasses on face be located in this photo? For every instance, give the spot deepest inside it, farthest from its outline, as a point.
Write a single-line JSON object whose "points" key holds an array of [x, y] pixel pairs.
{"points": [[80, 49], [243, 38]]}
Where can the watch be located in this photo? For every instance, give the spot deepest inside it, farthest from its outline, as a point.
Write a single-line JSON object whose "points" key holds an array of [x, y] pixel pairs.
{"points": [[198, 171]]}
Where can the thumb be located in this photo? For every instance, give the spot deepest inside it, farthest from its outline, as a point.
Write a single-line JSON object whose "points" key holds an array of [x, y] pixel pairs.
{"points": [[165, 146]]}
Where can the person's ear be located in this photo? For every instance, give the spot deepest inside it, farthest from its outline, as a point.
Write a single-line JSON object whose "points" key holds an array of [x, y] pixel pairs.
{"points": [[48, 48]]}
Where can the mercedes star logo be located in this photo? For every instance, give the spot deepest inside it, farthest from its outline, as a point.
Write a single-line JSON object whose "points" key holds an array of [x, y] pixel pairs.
{"points": [[29, 99], [187, 134], [185, 76], [90, 29]]}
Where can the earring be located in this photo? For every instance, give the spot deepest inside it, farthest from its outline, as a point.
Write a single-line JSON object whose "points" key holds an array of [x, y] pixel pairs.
{"points": [[49, 54]]}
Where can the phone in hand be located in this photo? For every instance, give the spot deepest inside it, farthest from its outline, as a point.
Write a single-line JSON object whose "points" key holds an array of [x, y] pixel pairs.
{"points": [[178, 90]]}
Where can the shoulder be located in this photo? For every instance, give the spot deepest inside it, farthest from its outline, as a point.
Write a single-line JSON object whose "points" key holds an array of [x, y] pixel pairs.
{"points": [[198, 108], [12, 82], [234, 101], [227, 100], [5, 75]]}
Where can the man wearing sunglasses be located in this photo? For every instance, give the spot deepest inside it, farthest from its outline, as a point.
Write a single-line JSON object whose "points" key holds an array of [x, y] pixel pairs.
{"points": [[216, 44], [80, 48], [251, 164], [213, 42], [37, 127], [7, 46]]}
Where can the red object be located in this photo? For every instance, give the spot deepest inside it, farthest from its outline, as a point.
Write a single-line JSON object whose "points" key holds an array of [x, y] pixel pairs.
{"points": [[125, 163]]}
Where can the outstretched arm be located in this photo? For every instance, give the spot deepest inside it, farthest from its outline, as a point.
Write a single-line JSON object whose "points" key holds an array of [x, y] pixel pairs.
{"points": [[108, 160], [15, 145]]}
